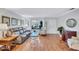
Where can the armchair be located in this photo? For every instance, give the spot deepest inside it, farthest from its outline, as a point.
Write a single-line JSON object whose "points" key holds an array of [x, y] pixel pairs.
{"points": [[73, 43]]}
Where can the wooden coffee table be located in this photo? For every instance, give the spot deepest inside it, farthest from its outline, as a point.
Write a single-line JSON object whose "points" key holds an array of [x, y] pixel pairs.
{"points": [[8, 41]]}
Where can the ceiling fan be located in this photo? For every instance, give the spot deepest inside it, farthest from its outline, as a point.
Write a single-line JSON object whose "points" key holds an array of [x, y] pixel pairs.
{"points": [[71, 8]]}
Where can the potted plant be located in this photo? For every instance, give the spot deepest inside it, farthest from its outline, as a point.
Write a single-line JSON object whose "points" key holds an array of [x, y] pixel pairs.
{"points": [[61, 29]]}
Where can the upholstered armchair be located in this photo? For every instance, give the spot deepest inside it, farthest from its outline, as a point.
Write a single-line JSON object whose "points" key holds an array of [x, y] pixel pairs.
{"points": [[73, 43]]}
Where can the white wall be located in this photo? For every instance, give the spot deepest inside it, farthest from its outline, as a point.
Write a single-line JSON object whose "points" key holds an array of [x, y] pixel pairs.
{"points": [[5, 12], [51, 26], [62, 20]]}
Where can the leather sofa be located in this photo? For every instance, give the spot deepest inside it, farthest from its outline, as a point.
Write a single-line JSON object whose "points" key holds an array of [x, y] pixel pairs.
{"points": [[23, 34]]}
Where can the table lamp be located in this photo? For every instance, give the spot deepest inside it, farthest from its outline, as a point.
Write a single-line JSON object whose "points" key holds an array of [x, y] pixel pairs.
{"points": [[3, 28]]}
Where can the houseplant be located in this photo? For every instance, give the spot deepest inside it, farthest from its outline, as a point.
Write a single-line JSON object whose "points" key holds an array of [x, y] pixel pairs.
{"points": [[61, 30]]}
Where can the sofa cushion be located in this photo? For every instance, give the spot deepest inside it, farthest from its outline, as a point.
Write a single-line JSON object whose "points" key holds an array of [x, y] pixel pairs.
{"points": [[75, 38], [23, 35], [17, 33], [75, 46], [71, 42], [21, 31]]}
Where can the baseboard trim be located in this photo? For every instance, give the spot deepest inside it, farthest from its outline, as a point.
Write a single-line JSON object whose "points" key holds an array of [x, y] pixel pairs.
{"points": [[53, 34]]}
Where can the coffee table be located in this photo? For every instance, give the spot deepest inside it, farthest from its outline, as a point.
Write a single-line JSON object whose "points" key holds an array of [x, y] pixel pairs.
{"points": [[7, 41]]}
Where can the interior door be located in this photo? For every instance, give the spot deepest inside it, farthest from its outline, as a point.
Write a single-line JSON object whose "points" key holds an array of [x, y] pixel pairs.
{"points": [[51, 26]]}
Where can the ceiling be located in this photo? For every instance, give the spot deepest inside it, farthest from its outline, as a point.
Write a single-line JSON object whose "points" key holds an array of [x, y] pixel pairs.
{"points": [[41, 12]]}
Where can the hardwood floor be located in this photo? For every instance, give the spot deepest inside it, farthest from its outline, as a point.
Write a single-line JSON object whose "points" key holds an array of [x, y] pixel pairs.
{"points": [[47, 43]]}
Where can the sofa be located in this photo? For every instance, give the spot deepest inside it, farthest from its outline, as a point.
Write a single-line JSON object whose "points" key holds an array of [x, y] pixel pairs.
{"points": [[23, 34]]}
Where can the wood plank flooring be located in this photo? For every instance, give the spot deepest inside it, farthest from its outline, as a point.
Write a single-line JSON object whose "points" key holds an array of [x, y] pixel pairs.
{"points": [[47, 43]]}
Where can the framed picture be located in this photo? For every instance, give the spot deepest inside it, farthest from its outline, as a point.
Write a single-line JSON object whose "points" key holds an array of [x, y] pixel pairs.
{"points": [[6, 20], [14, 21]]}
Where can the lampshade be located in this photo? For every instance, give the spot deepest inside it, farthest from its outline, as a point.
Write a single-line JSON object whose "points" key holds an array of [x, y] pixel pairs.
{"points": [[3, 27]]}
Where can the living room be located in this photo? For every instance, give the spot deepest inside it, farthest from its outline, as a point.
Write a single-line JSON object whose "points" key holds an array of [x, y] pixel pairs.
{"points": [[39, 29]]}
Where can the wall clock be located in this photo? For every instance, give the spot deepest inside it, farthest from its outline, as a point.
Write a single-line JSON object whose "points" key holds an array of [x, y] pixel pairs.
{"points": [[71, 22]]}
